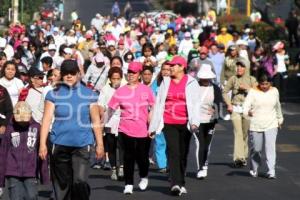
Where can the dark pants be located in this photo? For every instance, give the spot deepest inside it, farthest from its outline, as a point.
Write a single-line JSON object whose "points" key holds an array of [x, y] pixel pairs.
{"points": [[280, 82], [178, 141], [69, 172], [203, 141], [293, 35], [113, 144], [22, 188], [135, 150]]}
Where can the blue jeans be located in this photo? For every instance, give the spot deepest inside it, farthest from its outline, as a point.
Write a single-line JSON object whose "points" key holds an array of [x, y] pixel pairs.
{"points": [[22, 188], [160, 150]]}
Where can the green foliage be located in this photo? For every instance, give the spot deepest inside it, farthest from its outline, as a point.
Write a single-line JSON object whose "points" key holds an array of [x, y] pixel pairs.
{"points": [[239, 20], [5, 5], [268, 33], [29, 7]]}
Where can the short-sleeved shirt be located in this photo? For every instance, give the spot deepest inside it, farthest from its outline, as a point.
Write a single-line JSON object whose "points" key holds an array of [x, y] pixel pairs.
{"points": [[134, 104], [175, 107], [72, 124]]}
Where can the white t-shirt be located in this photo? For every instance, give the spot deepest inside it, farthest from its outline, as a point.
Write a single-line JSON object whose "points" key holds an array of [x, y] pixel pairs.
{"points": [[281, 66], [13, 87], [207, 101], [105, 95], [33, 99]]}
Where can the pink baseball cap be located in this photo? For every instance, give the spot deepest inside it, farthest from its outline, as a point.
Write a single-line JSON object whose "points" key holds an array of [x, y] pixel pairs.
{"points": [[135, 67], [178, 60]]}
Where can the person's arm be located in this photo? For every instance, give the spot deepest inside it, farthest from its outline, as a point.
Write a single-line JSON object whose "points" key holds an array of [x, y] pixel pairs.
{"points": [[247, 112], [45, 127], [97, 129], [278, 110], [228, 87]]}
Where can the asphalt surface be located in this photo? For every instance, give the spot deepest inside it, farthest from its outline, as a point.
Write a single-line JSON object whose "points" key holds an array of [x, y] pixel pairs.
{"points": [[223, 181]]}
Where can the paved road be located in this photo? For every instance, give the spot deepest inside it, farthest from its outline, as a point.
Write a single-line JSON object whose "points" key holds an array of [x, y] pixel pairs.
{"points": [[223, 182], [88, 8]]}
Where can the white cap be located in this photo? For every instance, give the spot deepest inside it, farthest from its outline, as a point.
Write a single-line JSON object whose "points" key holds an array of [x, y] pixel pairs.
{"points": [[55, 29], [68, 51], [2, 42], [52, 47], [111, 43], [242, 42], [98, 15], [247, 30], [205, 72]]}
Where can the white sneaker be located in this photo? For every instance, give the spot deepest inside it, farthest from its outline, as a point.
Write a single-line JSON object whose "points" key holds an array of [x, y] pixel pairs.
{"points": [[1, 192], [227, 117], [143, 184], [183, 190], [202, 174], [253, 173], [176, 190], [128, 189]]}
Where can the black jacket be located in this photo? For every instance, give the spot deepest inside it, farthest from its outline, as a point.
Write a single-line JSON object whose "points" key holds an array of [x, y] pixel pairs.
{"points": [[6, 108]]}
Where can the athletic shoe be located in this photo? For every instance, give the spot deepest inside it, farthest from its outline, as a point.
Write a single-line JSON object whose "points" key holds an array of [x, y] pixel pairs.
{"points": [[151, 161], [1, 192], [176, 190], [202, 174], [114, 175], [253, 173], [227, 117], [143, 184], [128, 189], [183, 190], [96, 166], [244, 163], [107, 166], [238, 164], [162, 170], [121, 172], [271, 176]]}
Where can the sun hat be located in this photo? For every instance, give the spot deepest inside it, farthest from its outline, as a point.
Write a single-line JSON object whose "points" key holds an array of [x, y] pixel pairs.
{"points": [[205, 72]]}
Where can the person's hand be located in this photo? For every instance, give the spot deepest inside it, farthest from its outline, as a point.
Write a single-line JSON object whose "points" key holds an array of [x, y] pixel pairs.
{"points": [[229, 108], [250, 113], [99, 152], [279, 125], [211, 111], [2, 129], [194, 128], [243, 87], [43, 151], [151, 135]]}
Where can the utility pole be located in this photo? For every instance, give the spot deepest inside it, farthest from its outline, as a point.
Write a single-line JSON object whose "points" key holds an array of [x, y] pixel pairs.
{"points": [[248, 8], [228, 11], [15, 10]]}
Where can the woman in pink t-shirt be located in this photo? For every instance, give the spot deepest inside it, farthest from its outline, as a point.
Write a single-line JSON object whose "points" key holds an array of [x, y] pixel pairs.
{"points": [[176, 109], [135, 101]]}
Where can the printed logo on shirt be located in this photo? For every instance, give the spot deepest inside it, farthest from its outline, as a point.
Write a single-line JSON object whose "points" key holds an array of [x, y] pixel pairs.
{"points": [[32, 138], [15, 139]]}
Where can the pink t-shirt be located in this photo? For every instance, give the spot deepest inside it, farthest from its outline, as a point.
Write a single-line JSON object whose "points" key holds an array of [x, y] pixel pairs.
{"points": [[175, 107], [134, 105]]}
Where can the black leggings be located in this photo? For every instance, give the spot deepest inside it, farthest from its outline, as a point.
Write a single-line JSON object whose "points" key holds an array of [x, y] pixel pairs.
{"points": [[203, 138], [135, 150], [113, 145]]}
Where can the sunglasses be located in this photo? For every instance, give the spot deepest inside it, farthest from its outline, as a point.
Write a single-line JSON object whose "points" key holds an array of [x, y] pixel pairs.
{"points": [[38, 77]]}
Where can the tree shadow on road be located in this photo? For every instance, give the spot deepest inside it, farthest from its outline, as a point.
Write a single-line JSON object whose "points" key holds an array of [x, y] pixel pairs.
{"points": [[221, 164]]}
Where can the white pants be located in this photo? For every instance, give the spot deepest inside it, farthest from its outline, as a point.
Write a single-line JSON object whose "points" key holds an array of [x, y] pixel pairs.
{"points": [[257, 140]]}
